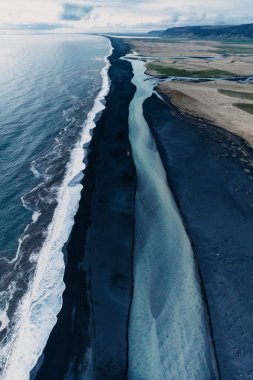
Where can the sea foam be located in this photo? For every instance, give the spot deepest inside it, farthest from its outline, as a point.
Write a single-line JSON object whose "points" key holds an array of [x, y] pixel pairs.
{"points": [[37, 312]]}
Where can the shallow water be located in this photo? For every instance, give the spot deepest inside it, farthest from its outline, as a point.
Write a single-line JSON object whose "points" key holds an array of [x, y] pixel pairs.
{"points": [[168, 329]]}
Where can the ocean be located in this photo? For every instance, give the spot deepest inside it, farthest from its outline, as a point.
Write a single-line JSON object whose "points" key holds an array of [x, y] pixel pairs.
{"points": [[52, 89]]}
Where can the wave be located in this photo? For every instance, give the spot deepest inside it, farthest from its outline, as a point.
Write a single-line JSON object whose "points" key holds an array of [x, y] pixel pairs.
{"points": [[37, 311]]}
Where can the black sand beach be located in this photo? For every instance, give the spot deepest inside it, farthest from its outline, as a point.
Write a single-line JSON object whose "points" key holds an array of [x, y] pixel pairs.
{"points": [[211, 176], [210, 173], [99, 252]]}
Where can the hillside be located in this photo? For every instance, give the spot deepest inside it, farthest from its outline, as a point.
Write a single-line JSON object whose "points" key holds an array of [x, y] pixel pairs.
{"points": [[217, 31]]}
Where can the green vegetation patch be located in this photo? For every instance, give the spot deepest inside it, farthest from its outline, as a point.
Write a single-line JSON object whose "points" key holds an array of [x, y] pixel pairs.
{"points": [[245, 107], [230, 49], [158, 40], [172, 71], [237, 94], [237, 41]]}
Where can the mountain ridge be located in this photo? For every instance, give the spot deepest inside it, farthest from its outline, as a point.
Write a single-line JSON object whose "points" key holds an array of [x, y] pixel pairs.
{"points": [[243, 31]]}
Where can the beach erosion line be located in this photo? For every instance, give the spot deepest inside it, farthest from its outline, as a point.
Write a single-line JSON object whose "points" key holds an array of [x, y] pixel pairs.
{"points": [[168, 329], [37, 311]]}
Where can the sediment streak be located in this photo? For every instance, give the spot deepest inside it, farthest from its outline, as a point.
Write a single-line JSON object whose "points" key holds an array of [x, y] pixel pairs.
{"points": [[168, 328]]}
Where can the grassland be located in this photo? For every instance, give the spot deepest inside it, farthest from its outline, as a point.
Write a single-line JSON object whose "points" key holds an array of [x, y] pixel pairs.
{"points": [[230, 49], [237, 94], [245, 107], [172, 71], [224, 102]]}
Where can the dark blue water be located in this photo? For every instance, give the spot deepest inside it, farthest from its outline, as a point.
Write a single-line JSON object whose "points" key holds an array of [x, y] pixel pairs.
{"points": [[48, 86]]}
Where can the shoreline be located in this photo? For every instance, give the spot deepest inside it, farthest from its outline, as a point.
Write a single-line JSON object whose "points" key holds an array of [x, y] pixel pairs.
{"points": [[31, 324], [211, 182], [109, 175]]}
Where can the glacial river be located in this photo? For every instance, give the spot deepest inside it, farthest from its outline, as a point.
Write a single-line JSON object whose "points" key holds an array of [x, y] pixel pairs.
{"points": [[168, 329]]}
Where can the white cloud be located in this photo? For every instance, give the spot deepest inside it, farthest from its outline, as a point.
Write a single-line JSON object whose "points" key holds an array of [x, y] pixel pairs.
{"points": [[130, 15]]}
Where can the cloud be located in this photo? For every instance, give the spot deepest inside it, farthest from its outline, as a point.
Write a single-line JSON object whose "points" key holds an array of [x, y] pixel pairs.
{"points": [[158, 17], [75, 12], [119, 15]]}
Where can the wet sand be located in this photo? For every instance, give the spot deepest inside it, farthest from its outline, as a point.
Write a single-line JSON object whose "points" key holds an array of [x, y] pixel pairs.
{"points": [[98, 273]]}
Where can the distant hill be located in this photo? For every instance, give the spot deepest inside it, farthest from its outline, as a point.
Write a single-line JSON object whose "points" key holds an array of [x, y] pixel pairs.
{"points": [[156, 32], [217, 31]]}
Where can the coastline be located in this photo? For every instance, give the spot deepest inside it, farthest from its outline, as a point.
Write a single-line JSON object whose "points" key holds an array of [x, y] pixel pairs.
{"points": [[106, 210], [140, 266], [210, 180], [35, 316]]}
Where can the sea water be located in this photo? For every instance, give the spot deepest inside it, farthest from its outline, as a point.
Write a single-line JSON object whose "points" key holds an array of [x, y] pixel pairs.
{"points": [[52, 87]]}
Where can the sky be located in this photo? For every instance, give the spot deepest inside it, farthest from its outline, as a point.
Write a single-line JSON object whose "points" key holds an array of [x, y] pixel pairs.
{"points": [[40, 16]]}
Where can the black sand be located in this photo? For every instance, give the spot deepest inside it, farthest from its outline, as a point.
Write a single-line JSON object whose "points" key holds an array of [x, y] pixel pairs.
{"points": [[99, 252], [211, 175]]}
